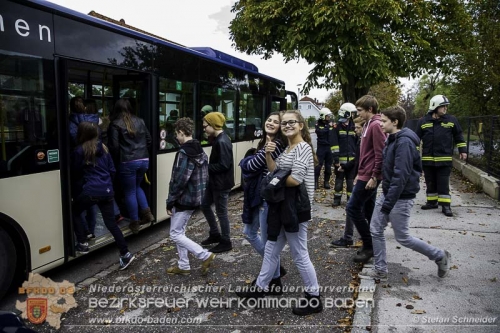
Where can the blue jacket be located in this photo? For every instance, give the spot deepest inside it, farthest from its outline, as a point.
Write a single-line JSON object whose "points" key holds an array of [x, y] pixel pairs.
{"points": [[402, 168], [189, 177], [93, 179], [75, 119]]}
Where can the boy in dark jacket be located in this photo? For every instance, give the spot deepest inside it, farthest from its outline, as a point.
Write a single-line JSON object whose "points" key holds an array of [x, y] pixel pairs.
{"points": [[220, 182], [401, 173], [186, 190]]}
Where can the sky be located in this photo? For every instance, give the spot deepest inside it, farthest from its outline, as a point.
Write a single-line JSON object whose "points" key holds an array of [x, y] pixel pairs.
{"points": [[195, 23]]}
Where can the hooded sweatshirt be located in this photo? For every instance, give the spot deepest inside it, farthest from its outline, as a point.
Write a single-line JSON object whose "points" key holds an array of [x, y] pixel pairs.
{"points": [[402, 168], [370, 152], [75, 119], [93, 179], [189, 177]]}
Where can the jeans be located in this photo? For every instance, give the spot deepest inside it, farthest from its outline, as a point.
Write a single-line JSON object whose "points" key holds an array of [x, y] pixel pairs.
{"points": [[297, 242], [259, 219], [360, 208], [219, 198], [131, 175], [105, 204], [88, 219], [400, 220], [178, 223]]}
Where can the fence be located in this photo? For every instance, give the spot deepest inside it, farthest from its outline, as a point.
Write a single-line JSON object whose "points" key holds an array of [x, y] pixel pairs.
{"points": [[482, 135]]}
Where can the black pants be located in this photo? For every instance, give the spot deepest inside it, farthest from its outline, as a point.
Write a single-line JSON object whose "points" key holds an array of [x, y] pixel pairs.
{"points": [[437, 180], [339, 181], [105, 204], [360, 210], [325, 155]]}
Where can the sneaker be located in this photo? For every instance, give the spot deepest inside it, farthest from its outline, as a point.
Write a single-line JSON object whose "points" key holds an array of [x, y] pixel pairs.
{"points": [[205, 265], [222, 247], [283, 271], [126, 260], [363, 256], [373, 274], [82, 247], [308, 305], [212, 239], [429, 206], [176, 270], [118, 218], [447, 211], [342, 242], [444, 264], [90, 236]]}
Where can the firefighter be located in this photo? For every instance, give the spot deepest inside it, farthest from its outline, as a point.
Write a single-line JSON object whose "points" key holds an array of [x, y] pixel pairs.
{"points": [[344, 150], [438, 132], [324, 147]]}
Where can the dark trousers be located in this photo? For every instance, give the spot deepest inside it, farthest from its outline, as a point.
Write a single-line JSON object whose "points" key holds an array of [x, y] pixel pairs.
{"points": [[105, 204], [219, 198], [360, 210], [339, 181], [437, 181], [325, 155]]}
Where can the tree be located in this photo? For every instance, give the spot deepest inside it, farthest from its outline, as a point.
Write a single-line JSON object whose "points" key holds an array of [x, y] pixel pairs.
{"points": [[428, 86], [355, 44], [387, 94], [334, 101], [476, 74]]}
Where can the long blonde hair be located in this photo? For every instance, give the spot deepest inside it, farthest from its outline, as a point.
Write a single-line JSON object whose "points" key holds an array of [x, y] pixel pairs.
{"points": [[306, 135]]}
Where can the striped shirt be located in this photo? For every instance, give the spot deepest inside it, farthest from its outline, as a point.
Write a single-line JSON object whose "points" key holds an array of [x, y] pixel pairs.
{"points": [[258, 161], [301, 161]]}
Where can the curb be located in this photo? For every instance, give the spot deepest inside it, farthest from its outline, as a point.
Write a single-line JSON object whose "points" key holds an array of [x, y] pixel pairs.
{"points": [[362, 321]]}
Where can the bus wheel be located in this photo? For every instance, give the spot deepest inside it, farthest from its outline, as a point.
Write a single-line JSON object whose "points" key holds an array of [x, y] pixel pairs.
{"points": [[8, 260]]}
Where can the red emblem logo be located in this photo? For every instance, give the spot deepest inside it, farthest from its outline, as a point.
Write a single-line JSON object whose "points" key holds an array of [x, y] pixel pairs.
{"points": [[36, 310]]}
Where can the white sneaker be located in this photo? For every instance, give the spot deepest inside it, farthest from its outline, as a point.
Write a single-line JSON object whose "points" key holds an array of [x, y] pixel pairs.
{"points": [[373, 274]]}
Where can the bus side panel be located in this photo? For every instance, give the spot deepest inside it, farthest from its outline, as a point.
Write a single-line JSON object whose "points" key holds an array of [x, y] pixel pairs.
{"points": [[164, 164], [34, 201]]}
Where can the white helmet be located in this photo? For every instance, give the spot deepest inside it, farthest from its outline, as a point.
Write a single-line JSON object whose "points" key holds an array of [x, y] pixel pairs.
{"points": [[347, 110], [437, 101], [325, 112]]}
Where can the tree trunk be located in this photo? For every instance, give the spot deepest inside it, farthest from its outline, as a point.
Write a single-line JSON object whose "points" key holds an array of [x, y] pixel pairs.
{"points": [[350, 93]]}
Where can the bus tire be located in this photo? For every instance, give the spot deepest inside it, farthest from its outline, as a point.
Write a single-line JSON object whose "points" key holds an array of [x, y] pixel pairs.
{"points": [[8, 260]]}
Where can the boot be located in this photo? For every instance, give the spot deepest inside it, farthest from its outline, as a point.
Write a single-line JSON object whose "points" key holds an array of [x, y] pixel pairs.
{"points": [[336, 201], [316, 185], [327, 182], [135, 227], [430, 205], [447, 211], [223, 246], [212, 239], [309, 305], [275, 287], [146, 216], [250, 292]]}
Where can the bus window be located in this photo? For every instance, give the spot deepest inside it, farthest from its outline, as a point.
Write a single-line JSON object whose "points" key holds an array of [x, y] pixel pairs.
{"points": [[252, 108], [221, 100], [175, 100], [28, 125]]}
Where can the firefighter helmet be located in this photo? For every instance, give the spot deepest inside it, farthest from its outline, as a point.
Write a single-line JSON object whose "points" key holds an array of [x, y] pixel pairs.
{"points": [[347, 110], [437, 101], [324, 112]]}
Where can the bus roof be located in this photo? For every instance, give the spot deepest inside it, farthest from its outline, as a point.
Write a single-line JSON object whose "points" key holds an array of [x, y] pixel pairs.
{"points": [[203, 52]]}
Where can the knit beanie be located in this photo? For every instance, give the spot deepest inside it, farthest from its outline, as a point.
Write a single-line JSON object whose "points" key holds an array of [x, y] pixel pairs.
{"points": [[215, 119]]}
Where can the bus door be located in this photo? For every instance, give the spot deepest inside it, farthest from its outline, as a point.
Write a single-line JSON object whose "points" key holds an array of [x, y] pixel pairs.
{"points": [[102, 86], [278, 103], [292, 100]]}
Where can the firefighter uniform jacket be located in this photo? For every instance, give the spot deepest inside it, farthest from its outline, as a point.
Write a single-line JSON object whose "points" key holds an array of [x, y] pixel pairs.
{"points": [[438, 136], [324, 133], [344, 143]]}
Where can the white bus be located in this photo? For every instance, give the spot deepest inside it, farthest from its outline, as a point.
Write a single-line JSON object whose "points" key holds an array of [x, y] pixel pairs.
{"points": [[49, 54]]}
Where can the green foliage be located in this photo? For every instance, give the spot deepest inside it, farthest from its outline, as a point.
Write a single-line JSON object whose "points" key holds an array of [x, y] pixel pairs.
{"points": [[354, 44], [334, 101], [387, 94]]}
